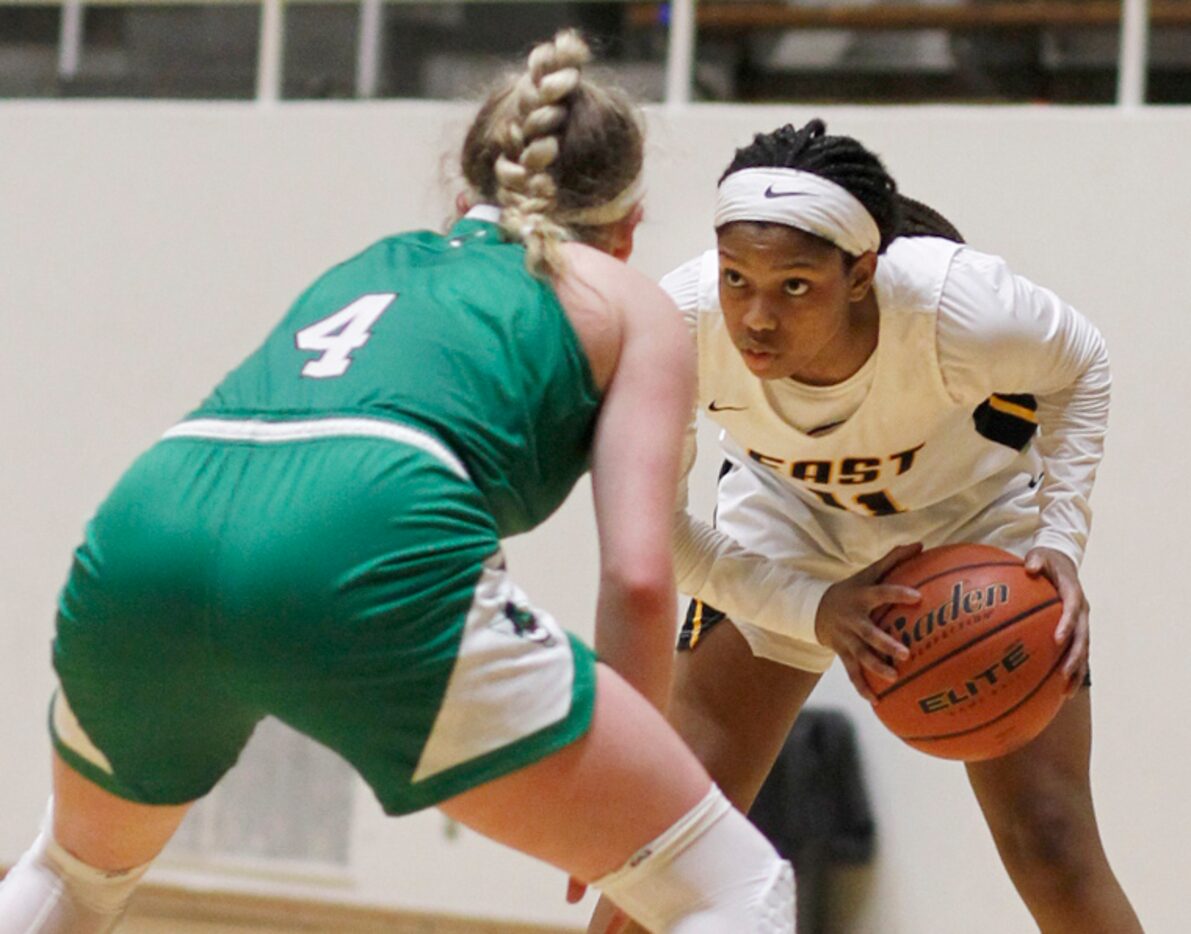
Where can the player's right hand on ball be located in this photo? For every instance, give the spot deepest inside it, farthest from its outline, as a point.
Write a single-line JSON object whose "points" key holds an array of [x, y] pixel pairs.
{"points": [[844, 620]]}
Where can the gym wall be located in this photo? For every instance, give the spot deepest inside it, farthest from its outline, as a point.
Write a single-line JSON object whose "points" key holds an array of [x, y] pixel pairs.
{"points": [[146, 247]]}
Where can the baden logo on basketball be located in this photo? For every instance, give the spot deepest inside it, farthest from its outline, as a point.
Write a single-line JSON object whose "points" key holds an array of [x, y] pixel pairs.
{"points": [[983, 677], [963, 602]]}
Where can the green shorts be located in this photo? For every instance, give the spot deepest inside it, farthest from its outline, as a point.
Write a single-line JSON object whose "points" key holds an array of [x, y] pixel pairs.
{"points": [[351, 587]]}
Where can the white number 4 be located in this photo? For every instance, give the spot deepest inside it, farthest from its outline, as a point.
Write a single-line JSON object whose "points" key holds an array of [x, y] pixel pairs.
{"points": [[341, 333]]}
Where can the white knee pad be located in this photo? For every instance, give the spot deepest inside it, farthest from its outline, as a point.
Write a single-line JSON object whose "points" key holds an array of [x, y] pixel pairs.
{"points": [[51, 892], [711, 873]]}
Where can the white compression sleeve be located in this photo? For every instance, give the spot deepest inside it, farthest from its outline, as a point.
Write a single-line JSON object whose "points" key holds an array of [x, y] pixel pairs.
{"points": [[1000, 332], [49, 891], [743, 584], [711, 872]]}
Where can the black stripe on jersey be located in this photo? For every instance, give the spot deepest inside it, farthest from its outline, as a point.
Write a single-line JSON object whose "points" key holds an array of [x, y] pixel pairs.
{"points": [[1008, 419], [725, 468], [699, 616]]}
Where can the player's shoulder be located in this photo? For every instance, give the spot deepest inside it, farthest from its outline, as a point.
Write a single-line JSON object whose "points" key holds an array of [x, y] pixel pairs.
{"points": [[598, 287], [694, 287], [612, 279], [365, 269], [406, 250], [913, 271], [610, 306], [921, 256]]}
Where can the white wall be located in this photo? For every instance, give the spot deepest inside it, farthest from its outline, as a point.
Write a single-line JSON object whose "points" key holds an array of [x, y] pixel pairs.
{"points": [[145, 248]]}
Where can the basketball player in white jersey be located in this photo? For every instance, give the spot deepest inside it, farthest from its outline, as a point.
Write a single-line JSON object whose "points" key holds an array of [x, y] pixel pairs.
{"points": [[881, 387]]}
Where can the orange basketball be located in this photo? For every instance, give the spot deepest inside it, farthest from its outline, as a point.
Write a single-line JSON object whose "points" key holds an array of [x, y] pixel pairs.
{"points": [[983, 674]]}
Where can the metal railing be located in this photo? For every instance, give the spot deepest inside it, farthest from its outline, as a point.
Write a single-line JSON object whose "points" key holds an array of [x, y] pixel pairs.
{"points": [[1135, 41], [680, 56]]}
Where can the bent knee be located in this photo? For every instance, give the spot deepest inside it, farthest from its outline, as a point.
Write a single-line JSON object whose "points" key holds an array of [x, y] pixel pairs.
{"points": [[1050, 837], [710, 872]]}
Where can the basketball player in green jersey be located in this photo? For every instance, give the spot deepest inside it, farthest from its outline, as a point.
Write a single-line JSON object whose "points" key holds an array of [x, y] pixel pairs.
{"points": [[320, 542]]}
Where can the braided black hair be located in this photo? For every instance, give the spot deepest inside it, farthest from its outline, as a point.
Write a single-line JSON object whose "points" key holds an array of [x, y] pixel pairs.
{"points": [[846, 162], [921, 220]]}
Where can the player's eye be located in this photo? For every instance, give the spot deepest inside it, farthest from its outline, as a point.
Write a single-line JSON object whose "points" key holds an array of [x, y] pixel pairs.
{"points": [[732, 278], [795, 287]]}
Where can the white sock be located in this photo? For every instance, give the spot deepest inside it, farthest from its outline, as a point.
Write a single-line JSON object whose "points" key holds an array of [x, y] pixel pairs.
{"points": [[712, 872], [51, 892]]}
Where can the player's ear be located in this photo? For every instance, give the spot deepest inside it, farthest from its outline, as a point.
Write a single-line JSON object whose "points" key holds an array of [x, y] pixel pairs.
{"points": [[462, 203], [860, 276], [620, 235]]}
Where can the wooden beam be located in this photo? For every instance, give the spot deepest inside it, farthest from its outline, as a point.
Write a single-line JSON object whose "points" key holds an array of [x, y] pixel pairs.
{"points": [[171, 909], [722, 17]]}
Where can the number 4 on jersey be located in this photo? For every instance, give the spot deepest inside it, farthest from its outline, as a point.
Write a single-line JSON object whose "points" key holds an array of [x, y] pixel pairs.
{"points": [[341, 333]]}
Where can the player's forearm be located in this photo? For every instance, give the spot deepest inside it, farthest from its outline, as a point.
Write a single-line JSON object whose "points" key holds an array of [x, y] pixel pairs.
{"points": [[743, 584], [1074, 423], [635, 635]]}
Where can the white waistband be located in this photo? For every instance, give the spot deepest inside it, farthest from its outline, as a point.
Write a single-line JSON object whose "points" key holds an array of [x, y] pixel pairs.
{"points": [[227, 429]]}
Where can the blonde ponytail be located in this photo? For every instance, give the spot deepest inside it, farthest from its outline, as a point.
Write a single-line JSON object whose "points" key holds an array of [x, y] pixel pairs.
{"points": [[526, 190], [550, 147]]}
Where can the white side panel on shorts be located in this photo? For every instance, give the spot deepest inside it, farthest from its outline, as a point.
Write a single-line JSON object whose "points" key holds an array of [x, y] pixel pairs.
{"points": [[66, 725], [513, 676]]}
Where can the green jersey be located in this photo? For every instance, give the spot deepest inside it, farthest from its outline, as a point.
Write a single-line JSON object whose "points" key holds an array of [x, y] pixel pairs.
{"points": [[446, 334], [320, 542]]}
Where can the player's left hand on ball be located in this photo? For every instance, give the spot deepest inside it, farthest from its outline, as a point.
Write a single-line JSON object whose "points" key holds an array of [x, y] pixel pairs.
{"points": [[844, 622], [1061, 571]]}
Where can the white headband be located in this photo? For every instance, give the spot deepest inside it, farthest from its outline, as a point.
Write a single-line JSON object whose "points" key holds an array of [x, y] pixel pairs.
{"points": [[798, 199], [608, 212]]}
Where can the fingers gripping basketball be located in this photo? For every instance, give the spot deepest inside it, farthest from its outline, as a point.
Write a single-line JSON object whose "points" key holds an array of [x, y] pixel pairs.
{"points": [[983, 677]]}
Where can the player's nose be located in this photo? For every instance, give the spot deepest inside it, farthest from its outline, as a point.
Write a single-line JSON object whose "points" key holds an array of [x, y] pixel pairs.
{"points": [[758, 317]]}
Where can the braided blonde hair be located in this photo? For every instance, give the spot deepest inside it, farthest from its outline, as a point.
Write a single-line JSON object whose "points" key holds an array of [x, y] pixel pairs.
{"points": [[551, 145]]}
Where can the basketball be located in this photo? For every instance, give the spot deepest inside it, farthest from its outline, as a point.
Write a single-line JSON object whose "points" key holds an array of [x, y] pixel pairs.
{"points": [[983, 674]]}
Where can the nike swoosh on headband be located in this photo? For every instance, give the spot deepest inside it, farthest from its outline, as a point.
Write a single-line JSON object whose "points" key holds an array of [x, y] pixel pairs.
{"points": [[770, 193]]}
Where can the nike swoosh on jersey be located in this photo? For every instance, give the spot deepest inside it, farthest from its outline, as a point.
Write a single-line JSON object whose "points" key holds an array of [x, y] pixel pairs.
{"points": [[714, 406]]}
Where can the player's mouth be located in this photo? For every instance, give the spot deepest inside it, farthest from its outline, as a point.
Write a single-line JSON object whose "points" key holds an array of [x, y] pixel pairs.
{"points": [[756, 356]]}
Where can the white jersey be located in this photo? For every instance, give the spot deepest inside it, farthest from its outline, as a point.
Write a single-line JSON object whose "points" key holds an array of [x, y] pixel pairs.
{"points": [[979, 377]]}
